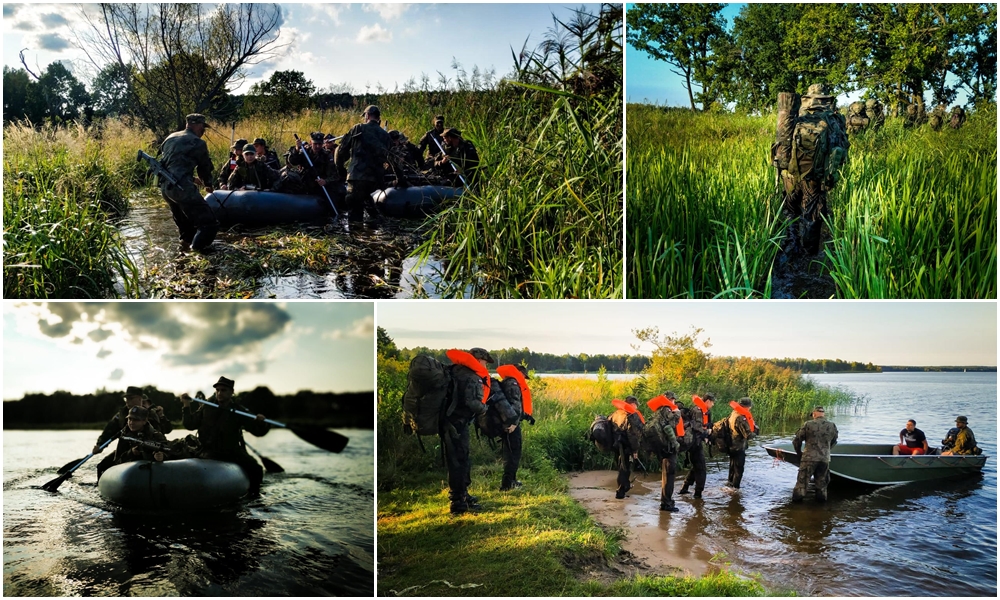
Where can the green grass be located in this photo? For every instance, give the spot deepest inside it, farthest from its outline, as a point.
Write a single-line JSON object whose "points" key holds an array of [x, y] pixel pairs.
{"points": [[914, 215]]}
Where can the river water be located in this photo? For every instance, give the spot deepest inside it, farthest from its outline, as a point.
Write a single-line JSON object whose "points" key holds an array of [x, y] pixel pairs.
{"points": [[310, 533], [931, 539]]}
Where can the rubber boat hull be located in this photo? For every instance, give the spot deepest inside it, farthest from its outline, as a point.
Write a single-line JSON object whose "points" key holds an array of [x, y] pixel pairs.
{"points": [[414, 201], [874, 464], [190, 483], [260, 209]]}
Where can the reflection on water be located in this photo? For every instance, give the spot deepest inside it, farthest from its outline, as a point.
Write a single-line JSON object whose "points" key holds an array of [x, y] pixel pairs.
{"points": [[311, 532]]}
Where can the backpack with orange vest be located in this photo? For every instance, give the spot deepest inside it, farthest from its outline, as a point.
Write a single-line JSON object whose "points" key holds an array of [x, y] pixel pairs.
{"points": [[432, 391]]}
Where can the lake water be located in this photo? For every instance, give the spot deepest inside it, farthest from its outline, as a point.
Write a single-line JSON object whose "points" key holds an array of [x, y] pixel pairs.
{"points": [[311, 532], [931, 539]]}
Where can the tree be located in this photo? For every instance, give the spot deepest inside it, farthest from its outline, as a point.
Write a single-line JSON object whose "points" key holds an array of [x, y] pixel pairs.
{"points": [[286, 92], [56, 95], [676, 358], [184, 57], [110, 91], [385, 345], [19, 92], [682, 36]]}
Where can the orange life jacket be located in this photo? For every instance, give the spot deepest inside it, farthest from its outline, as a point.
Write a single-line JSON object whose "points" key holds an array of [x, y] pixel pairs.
{"points": [[629, 408], [506, 371], [461, 357], [661, 401], [704, 409], [745, 412]]}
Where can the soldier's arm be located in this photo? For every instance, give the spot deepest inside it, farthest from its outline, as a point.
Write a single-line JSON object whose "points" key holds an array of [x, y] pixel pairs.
{"points": [[799, 436], [165, 425], [191, 417], [110, 429], [236, 179], [836, 433]]}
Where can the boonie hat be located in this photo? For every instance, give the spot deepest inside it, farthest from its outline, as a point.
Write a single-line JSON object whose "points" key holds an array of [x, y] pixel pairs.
{"points": [[226, 383], [962, 420], [240, 143], [259, 141], [818, 90], [746, 402], [134, 391], [481, 354], [819, 409], [451, 131]]}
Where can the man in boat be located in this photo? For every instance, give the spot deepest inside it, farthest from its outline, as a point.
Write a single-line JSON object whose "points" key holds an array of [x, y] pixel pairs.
{"points": [[427, 142], [660, 436], [628, 423], [220, 430], [253, 174], [366, 145], [235, 161], [701, 424], [134, 396], [911, 440], [182, 153], [321, 172], [404, 159], [742, 430], [960, 439], [819, 436], [157, 418], [462, 154], [330, 145], [138, 427], [468, 405], [266, 155]]}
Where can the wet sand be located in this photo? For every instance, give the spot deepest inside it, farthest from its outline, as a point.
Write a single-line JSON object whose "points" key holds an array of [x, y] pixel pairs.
{"points": [[661, 542]]}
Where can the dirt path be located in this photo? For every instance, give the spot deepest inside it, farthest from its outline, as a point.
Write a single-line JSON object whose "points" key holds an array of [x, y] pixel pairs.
{"points": [[661, 542]]}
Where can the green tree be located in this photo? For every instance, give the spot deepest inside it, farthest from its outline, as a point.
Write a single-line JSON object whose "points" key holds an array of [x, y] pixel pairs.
{"points": [[285, 93], [110, 90], [676, 358], [385, 345], [19, 93], [681, 35]]}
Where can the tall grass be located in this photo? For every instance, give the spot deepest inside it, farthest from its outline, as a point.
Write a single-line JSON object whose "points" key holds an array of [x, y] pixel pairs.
{"points": [[914, 215]]}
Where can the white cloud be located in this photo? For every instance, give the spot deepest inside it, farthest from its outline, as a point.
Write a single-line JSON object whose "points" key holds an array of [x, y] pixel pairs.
{"points": [[116, 375], [362, 329], [329, 12], [374, 33], [388, 11]]}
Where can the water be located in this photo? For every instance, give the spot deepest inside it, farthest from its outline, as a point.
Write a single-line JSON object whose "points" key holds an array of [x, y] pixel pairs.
{"points": [[311, 532], [930, 539]]}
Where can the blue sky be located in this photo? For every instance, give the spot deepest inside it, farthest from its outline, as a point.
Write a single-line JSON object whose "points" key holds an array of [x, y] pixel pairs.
{"points": [[185, 346], [894, 333], [358, 44]]}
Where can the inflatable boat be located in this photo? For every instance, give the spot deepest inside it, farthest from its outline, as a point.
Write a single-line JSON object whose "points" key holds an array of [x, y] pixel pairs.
{"points": [[414, 201], [256, 208], [190, 483]]}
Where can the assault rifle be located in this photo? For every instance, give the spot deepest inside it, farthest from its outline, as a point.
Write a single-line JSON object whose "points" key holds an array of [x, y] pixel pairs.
{"points": [[158, 446], [441, 148], [157, 169]]}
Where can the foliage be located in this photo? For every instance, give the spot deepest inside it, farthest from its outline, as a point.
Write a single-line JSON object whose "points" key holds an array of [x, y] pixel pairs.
{"points": [[384, 344], [54, 96], [285, 92], [914, 215]]}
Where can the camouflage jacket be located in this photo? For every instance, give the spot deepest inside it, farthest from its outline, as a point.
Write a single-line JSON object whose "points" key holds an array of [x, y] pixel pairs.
{"points": [[427, 143], [367, 147], [182, 153], [660, 434], [463, 156], [270, 159], [512, 390], [161, 424], [123, 452], [960, 441], [220, 430], [629, 426], [259, 175], [229, 167], [819, 436], [742, 434], [467, 397], [322, 163]]}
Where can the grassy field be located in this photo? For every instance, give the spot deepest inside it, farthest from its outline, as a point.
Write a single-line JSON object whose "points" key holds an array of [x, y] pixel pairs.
{"points": [[421, 545], [914, 215]]}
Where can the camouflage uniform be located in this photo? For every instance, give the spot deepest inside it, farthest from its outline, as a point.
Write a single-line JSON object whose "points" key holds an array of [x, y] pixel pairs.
{"points": [[259, 175], [819, 436], [468, 405], [938, 116], [367, 146], [427, 143], [857, 118], [742, 434], [182, 153], [696, 454], [876, 114], [960, 440], [220, 431], [957, 117], [235, 160], [465, 157], [510, 410], [661, 434], [629, 427], [123, 452]]}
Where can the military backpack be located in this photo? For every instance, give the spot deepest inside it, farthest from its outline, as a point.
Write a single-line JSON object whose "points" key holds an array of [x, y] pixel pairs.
{"points": [[722, 435], [817, 150], [428, 391], [603, 433]]}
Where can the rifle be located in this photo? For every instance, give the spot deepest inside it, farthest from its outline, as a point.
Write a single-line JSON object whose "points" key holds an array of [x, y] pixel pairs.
{"points": [[441, 148], [157, 169], [298, 142], [158, 446]]}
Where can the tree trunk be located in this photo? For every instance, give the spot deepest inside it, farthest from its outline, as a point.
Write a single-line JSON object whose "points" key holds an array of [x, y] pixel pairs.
{"points": [[687, 76]]}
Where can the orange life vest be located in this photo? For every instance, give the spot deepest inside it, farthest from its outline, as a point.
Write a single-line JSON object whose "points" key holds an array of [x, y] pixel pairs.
{"points": [[506, 371], [745, 412], [704, 409], [461, 357], [629, 408], [661, 401]]}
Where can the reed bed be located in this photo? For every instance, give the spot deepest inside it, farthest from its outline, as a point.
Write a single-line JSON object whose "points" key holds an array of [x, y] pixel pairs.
{"points": [[914, 215]]}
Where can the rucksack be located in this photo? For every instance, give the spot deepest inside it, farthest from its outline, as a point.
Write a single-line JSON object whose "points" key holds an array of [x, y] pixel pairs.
{"points": [[425, 402], [603, 433], [722, 435], [656, 436], [490, 423], [687, 440], [810, 146]]}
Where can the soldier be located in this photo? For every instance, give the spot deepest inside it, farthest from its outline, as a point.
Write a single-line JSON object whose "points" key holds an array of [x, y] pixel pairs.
{"points": [[404, 158], [468, 405], [266, 155], [661, 436], [511, 441], [743, 429], [322, 170], [138, 427], [960, 439], [182, 153], [629, 423], [957, 117], [220, 430], [938, 116], [911, 116], [876, 114], [501, 420], [462, 154], [367, 147], [701, 422], [253, 174], [857, 118], [134, 396], [157, 418], [330, 145], [235, 161], [819, 436], [428, 141]]}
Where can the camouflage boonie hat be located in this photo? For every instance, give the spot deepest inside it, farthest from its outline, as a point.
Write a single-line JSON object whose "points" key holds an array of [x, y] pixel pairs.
{"points": [[670, 395], [249, 149], [372, 111], [746, 402], [481, 354], [524, 371], [138, 413], [962, 420], [196, 119], [259, 141], [451, 131], [709, 397], [239, 144], [819, 409], [817, 90]]}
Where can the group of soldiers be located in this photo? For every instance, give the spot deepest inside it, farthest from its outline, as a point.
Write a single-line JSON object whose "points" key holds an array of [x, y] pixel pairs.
{"points": [[870, 116], [141, 429], [367, 158]]}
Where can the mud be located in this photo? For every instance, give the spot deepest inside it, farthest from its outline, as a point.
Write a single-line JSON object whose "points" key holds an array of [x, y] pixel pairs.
{"points": [[797, 276]]}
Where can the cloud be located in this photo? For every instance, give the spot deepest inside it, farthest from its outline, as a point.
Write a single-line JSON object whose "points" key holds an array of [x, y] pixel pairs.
{"points": [[329, 12], [116, 375], [24, 26], [363, 329], [99, 335], [103, 353], [388, 11], [51, 41], [374, 33], [9, 10], [52, 20]]}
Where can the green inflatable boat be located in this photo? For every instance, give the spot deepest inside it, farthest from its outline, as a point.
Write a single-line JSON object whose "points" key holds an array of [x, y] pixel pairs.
{"points": [[186, 484]]}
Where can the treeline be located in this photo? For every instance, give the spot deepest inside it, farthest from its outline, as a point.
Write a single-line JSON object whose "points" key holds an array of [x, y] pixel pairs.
{"points": [[64, 409], [894, 51], [805, 365], [953, 369]]}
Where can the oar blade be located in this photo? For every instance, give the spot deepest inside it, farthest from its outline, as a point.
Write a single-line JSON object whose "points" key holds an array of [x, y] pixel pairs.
{"points": [[53, 485], [320, 437], [270, 465], [68, 466]]}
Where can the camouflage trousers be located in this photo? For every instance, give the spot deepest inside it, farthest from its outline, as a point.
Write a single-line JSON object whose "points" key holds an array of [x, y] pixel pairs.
{"points": [[818, 470], [805, 205], [192, 215], [359, 199], [455, 440]]}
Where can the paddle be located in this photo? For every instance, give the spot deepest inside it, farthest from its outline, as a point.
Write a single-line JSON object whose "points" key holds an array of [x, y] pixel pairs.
{"points": [[325, 193], [53, 485], [441, 148], [317, 436], [270, 465]]}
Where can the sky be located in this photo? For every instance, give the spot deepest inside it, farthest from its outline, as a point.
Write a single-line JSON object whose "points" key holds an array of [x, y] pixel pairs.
{"points": [[885, 333], [82, 347], [358, 44]]}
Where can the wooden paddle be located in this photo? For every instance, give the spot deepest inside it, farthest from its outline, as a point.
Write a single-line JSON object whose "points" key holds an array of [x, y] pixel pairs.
{"points": [[320, 437], [53, 485], [270, 465]]}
